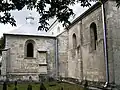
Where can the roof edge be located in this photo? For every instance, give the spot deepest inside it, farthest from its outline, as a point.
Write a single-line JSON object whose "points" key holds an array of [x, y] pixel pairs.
{"points": [[90, 10], [29, 35], [61, 33]]}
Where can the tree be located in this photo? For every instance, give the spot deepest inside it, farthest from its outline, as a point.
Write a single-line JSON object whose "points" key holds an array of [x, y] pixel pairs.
{"points": [[1, 44], [46, 8]]}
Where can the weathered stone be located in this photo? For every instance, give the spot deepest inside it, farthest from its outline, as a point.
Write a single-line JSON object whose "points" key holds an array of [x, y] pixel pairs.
{"points": [[19, 63], [70, 54]]}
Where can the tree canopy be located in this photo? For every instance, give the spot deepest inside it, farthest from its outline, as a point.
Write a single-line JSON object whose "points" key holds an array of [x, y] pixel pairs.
{"points": [[2, 44], [46, 8]]}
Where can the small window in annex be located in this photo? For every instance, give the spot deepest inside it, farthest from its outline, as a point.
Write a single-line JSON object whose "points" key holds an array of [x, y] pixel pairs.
{"points": [[29, 48]]}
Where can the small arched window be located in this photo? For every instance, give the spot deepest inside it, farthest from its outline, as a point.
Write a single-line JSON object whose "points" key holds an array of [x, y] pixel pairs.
{"points": [[29, 48], [74, 41], [74, 45], [93, 36]]}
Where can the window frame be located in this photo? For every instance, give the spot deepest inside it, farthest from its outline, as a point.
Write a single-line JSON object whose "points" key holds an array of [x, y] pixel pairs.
{"points": [[74, 44], [25, 49], [93, 36]]}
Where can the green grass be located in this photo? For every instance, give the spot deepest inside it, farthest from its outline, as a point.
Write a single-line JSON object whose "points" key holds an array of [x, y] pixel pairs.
{"points": [[48, 85]]}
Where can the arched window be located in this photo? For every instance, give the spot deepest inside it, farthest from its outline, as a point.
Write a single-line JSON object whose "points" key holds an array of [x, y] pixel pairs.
{"points": [[74, 44], [29, 48], [74, 41], [93, 36]]}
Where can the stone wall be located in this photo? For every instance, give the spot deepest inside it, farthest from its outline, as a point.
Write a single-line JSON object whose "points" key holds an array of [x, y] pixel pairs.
{"points": [[93, 62], [74, 60], [87, 64], [63, 53], [112, 14], [20, 65], [60, 55]]}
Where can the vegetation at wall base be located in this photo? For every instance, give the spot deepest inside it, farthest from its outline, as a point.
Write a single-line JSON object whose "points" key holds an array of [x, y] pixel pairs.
{"points": [[42, 87], [4, 86], [15, 88], [29, 87], [46, 85]]}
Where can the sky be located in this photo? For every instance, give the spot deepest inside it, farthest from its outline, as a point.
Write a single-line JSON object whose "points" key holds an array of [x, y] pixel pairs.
{"points": [[20, 17]]}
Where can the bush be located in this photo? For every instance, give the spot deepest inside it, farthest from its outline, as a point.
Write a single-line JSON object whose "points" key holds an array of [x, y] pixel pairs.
{"points": [[42, 78], [62, 88], [85, 85], [42, 87], [4, 86], [50, 79], [15, 88], [15, 83], [29, 87]]}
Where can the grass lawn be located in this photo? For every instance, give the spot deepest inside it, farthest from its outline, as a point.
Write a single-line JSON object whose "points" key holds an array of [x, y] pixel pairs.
{"points": [[49, 86]]}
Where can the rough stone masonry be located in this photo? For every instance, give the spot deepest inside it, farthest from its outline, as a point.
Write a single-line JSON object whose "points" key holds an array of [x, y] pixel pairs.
{"points": [[76, 53]]}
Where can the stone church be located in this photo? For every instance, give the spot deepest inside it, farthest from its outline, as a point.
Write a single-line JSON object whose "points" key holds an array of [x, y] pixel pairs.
{"points": [[88, 49]]}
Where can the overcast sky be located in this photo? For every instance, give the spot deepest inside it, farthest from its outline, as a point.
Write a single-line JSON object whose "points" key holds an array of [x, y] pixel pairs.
{"points": [[20, 17]]}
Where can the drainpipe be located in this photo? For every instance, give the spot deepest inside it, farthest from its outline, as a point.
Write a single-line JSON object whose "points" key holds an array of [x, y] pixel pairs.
{"points": [[105, 44]]}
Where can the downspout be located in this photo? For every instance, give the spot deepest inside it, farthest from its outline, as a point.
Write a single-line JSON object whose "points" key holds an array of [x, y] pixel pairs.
{"points": [[105, 44], [81, 62]]}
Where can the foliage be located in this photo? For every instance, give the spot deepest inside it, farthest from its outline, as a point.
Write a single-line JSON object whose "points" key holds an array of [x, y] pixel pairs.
{"points": [[50, 79], [15, 83], [4, 86], [42, 87], [118, 3], [42, 78], [65, 86], [46, 8], [29, 87], [85, 85], [62, 88], [2, 44], [15, 88]]}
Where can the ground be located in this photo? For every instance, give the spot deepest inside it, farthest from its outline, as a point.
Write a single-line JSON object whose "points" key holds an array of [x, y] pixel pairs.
{"points": [[49, 86]]}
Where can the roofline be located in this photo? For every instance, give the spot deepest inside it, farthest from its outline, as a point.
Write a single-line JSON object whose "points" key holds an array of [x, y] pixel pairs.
{"points": [[28, 35], [61, 33], [52, 24], [4, 49], [90, 10]]}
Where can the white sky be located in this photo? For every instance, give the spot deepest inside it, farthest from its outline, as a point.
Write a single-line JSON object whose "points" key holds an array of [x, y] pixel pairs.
{"points": [[20, 17]]}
